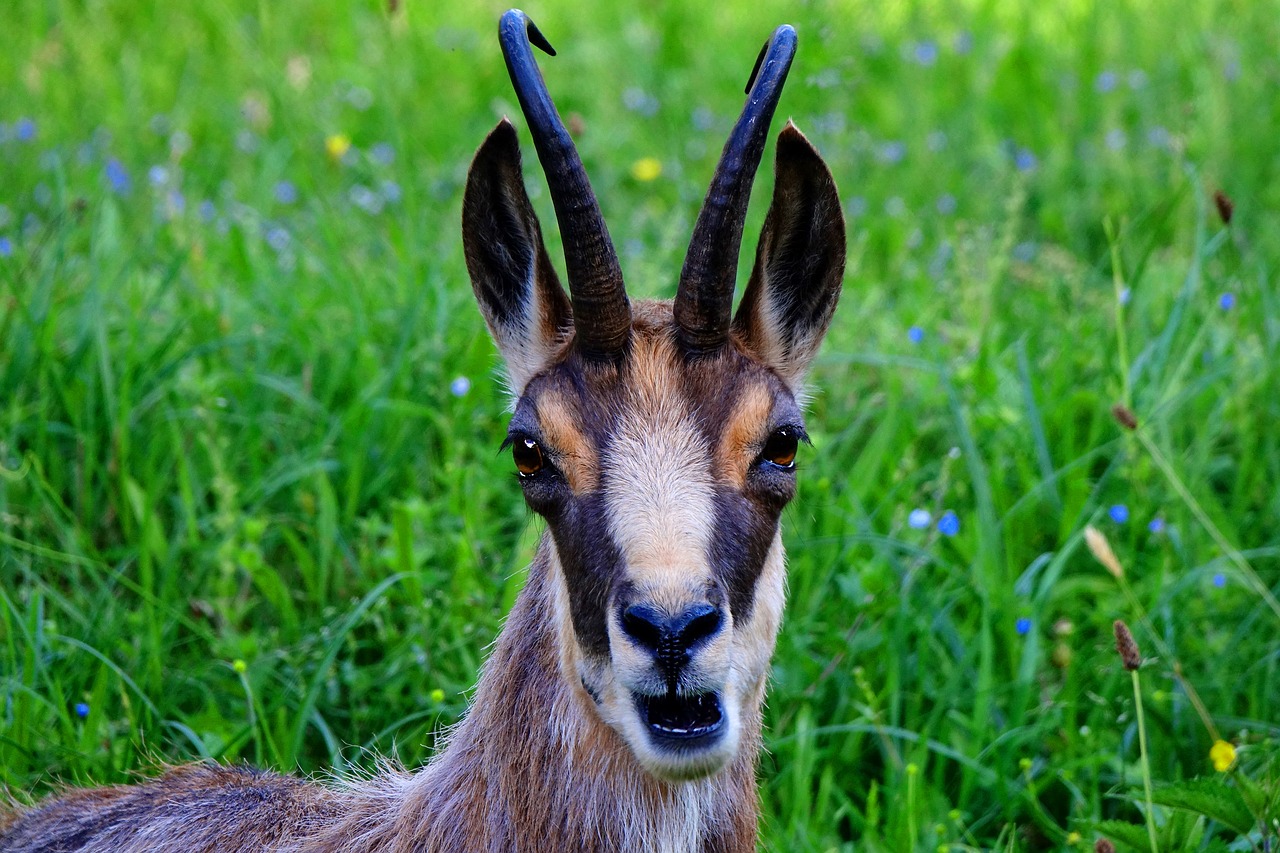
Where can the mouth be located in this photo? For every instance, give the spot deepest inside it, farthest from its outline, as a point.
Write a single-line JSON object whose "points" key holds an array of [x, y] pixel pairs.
{"points": [[684, 721]]}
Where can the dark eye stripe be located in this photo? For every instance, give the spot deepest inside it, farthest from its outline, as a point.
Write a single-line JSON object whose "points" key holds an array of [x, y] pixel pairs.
{"points": [[744, 531]]}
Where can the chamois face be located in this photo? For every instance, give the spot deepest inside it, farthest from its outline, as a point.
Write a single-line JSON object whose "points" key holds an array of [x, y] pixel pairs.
{"points": [[661, 479], [661, 471]]}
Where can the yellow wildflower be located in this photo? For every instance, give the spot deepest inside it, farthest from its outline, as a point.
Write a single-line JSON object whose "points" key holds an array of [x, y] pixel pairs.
{"points": [[646, 169], [1223, 755], [239, 666], [437, 696], [337, 144], [1073, 838]]}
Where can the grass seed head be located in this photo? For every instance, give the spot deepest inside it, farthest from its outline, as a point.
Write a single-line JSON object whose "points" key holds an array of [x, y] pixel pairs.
{"points": [[1225, 206], [1101, 550], [1124, 416], [1127, 646]]}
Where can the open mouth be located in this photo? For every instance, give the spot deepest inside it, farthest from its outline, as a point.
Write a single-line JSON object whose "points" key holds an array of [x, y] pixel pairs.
{"points": [[682, 718]]}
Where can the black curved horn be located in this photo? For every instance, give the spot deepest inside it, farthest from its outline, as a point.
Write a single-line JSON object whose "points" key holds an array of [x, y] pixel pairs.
{"points": [[704, 299], [601, 313]]}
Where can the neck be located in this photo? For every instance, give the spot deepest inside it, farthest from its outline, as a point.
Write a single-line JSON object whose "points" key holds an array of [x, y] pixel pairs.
{"points": [[534, 767]]}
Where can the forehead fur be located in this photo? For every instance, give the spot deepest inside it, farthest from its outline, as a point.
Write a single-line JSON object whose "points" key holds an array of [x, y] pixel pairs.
{"points": [[731, 400]]}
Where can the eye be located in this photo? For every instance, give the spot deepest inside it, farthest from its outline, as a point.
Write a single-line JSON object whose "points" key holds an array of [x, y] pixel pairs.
{"points": [[528, 456], [780, 449]]}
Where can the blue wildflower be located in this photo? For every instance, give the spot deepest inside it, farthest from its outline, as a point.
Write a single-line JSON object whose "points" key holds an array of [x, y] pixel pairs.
{"points": [[365, 199], [1119, 513], [919, 518], [926, 52], [391, 192], [639, 101], [892, 152], [1159, 137], [286, 192], [1022, 626], [1106, 81], [24, 130], [1156, 525], [82, 710], [1219, 580], [1227, 301], [949, 524], [915, 334], [158, 175], [460, 386], [278, 238], [1116, 140], [6, 247], [207, 211], [382, 153], [1025, 160], [117, 177], [946, 204]]}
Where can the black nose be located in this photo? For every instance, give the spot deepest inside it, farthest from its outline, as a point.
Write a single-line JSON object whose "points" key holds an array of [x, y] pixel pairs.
{"points": [[670, 638]]}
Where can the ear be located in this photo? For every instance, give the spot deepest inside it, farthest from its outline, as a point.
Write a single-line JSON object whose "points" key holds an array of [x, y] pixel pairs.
{"points": [[799, 263], [525, 307]]}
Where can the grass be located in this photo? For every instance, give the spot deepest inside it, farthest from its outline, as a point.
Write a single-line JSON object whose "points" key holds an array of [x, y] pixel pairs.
{"points": [[248, 511]]}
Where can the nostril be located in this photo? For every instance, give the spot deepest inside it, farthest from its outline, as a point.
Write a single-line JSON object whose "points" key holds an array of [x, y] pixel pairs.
{"points": [[702, 621], [671, 636], [644, 624]]}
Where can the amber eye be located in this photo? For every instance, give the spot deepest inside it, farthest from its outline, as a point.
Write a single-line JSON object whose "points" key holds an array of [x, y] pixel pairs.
{"points": [[780, 449], [527, 455]]}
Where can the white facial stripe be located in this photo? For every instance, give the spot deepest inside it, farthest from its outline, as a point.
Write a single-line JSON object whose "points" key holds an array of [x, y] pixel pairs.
{"points": [[658, 492]]}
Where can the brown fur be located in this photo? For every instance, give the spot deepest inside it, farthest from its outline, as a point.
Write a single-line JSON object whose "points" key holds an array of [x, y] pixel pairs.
{"points": [[576, 456]]}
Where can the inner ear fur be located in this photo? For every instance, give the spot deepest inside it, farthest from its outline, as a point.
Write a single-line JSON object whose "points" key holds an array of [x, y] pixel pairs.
{"points": [[520, 296], [799, 267]]}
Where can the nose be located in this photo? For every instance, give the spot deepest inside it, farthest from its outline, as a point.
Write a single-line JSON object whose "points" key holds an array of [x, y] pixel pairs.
{"points": [[670, 638]]}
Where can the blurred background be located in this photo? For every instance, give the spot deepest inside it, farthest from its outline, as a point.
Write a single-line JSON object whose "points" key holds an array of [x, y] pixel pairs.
{"points": [[251, 505]]}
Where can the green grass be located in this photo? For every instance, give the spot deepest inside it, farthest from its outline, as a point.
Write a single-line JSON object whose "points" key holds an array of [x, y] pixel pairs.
{"points": [[227, 431]]}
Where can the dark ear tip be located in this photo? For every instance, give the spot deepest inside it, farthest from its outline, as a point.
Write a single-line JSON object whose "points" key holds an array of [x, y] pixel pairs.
{"points": [[502, 134], [792, 142], [501, 144]]}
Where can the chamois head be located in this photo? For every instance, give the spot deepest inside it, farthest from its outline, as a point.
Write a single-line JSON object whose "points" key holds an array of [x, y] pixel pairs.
{"points": [[658, 439]]}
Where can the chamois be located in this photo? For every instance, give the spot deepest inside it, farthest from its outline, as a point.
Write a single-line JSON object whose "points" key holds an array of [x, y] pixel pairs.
{"points": [[621, 706]]}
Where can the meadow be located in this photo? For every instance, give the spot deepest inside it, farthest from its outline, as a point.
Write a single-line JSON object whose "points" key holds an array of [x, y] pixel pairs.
{"points": [[251, 501]]}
